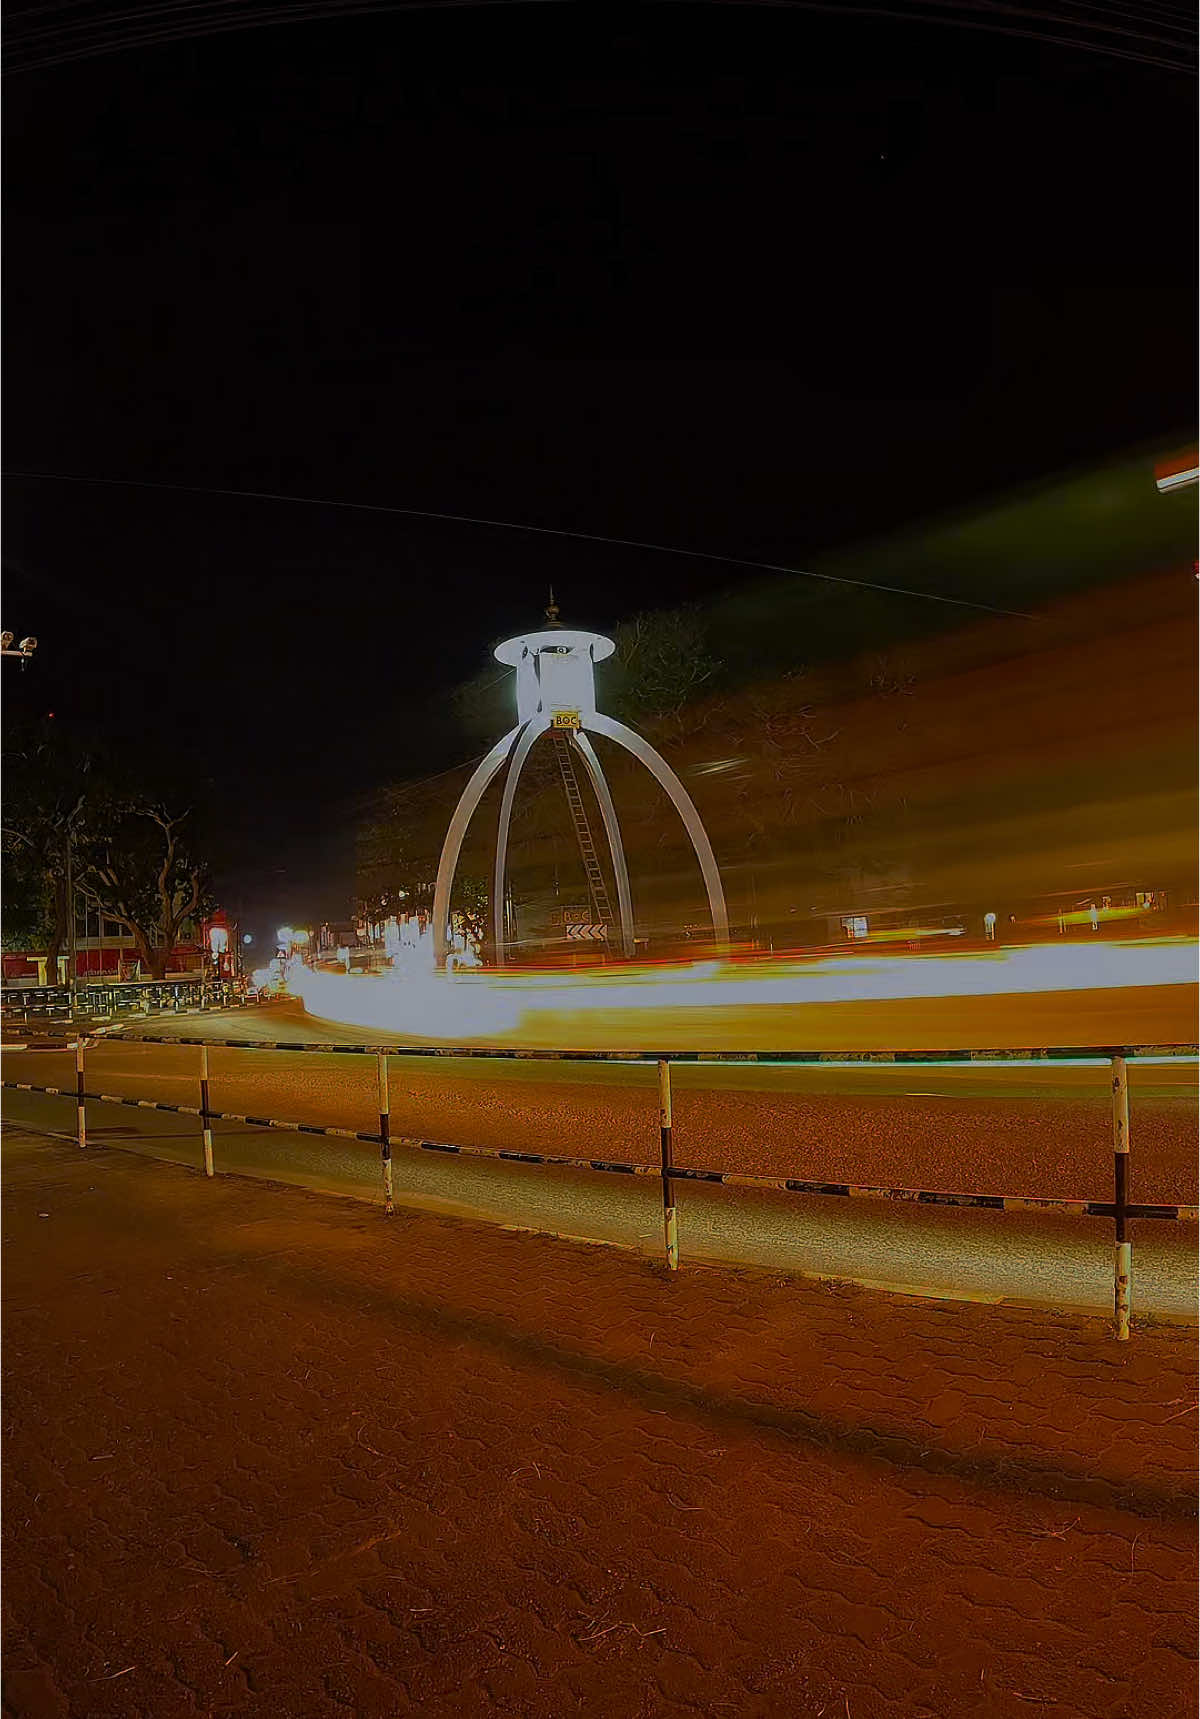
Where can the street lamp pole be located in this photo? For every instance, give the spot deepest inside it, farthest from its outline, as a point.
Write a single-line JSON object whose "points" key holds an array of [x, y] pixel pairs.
{"points": [[71, 947]]}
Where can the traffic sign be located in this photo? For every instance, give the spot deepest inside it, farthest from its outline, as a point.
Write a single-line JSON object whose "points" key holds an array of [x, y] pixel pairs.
{"points": [[570, 916], [587, 933]]}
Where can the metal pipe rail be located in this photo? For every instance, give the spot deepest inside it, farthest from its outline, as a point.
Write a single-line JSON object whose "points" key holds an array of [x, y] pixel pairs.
{"points": [[804, 1058], [99, 998], [1120, 1209]]}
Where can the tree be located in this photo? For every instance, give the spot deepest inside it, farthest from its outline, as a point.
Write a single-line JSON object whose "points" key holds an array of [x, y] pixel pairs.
{"points": [[662, 662], [134, 865], [397, 873], [483, 706], [29, 899], [470, 900], [75, 825], [47, 781]]}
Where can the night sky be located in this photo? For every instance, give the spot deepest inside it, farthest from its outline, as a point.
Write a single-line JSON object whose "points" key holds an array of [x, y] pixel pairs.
{"points": [[752, 280]]}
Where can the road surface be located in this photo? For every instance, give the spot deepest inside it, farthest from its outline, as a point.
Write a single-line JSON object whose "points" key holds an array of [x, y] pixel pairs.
{"points": [[981, 1129]]}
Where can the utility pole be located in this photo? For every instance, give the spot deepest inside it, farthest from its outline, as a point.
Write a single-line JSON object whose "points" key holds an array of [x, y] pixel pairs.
{"points": [[71, 956], [24, 653]]}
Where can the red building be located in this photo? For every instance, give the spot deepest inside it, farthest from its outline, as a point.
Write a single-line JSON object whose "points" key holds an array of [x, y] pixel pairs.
{"points": [[105, 950]]}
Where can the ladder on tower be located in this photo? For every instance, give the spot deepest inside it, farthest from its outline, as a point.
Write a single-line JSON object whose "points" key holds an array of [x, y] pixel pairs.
{"points": [[597, 888]]}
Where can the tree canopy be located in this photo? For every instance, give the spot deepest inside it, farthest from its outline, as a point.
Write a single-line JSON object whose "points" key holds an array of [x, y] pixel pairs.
{"points": [[47, 782], [74, 822]]}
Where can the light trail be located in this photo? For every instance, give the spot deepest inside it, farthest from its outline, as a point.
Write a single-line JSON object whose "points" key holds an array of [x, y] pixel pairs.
{"points": [[437, 1006], [481, 1005]]}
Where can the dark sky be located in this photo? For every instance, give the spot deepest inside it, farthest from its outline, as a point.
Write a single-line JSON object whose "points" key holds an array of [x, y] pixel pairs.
{"points": [[752, 280]]}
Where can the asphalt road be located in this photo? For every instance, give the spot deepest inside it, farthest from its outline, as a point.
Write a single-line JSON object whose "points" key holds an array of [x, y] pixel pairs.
{"points": [[988, 1129]]}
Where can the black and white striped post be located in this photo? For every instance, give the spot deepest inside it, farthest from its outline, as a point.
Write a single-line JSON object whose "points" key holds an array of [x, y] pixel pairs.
{"points": [[670, 1227], [80, 1108], [1123, 1250], [385, 1135], [205, 1112]]}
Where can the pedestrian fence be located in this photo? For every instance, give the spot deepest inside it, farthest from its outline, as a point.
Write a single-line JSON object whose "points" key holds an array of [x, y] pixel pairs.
{"points": [[1121, 1210], [100, 1001]]}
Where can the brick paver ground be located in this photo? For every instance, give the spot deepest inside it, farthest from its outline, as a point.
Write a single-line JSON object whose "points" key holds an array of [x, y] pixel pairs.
{"points": [[268, 1453]]}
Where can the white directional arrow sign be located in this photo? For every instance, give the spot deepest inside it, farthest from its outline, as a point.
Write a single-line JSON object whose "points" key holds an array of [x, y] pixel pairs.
{"points": [[587, 933]]}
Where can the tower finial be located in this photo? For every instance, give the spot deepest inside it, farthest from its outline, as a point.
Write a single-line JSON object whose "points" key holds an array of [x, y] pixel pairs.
{"points": [[552, 609]]}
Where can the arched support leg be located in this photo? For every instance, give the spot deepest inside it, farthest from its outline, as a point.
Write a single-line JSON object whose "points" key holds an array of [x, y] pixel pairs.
{"points": [[682, 802], [452, 846], [537, 725], [612, 830]]}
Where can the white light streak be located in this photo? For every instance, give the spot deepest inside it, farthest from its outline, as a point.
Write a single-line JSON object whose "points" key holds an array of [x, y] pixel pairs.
{"points": [[445, 1006], [450, 1007], [1177, 480]]}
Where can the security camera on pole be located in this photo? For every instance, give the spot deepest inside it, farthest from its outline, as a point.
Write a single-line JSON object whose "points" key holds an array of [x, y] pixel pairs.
{"points": [[556, 693]]}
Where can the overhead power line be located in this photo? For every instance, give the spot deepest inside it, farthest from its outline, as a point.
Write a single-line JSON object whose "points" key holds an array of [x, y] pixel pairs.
{"points": [[532, 530], [1148, 32]]}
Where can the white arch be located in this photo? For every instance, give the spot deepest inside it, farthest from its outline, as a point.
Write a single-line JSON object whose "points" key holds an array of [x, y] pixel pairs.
{"points": [[452, 846], [536, 726], [682, 802], [612, 830]]}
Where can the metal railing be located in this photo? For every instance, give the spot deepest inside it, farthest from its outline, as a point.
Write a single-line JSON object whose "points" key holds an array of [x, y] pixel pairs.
{"points": [[1120, 1209], [98, 999]]}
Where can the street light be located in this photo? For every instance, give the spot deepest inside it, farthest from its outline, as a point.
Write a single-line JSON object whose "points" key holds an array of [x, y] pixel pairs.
{"points": [[24, 650]]}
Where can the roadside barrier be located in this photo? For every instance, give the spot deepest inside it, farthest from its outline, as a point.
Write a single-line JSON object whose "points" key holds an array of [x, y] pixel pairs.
{"points": [[41, 1001], [55, 1003], [1120, 1209]]}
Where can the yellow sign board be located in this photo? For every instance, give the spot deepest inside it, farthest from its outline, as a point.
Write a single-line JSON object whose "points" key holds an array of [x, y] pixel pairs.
{"points": [[567, 719]]}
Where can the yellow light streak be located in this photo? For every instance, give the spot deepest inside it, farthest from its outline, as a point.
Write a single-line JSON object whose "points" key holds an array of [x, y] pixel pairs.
{"points": [[449, 1007]]}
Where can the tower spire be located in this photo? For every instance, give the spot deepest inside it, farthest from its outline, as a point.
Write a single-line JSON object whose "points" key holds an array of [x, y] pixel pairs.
{"points": [[552, 610]]}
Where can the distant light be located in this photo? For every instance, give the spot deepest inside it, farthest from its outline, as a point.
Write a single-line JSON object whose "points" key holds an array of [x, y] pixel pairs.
{"points": [[285, 934], [300, 938], [247, 938]]}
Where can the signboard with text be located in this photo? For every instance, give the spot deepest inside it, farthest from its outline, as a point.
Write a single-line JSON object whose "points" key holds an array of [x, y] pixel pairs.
{"points": [[570, 916]]}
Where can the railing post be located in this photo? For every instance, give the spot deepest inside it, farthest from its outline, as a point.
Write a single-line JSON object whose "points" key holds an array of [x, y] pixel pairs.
{"points": [[1122, 1251], [205, 1111], [385, 1135], [670, 1227], [80, 1110]]}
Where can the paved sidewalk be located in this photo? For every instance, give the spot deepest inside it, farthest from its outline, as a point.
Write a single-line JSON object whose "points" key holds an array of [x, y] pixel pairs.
{"points": [[268, 1453]]}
